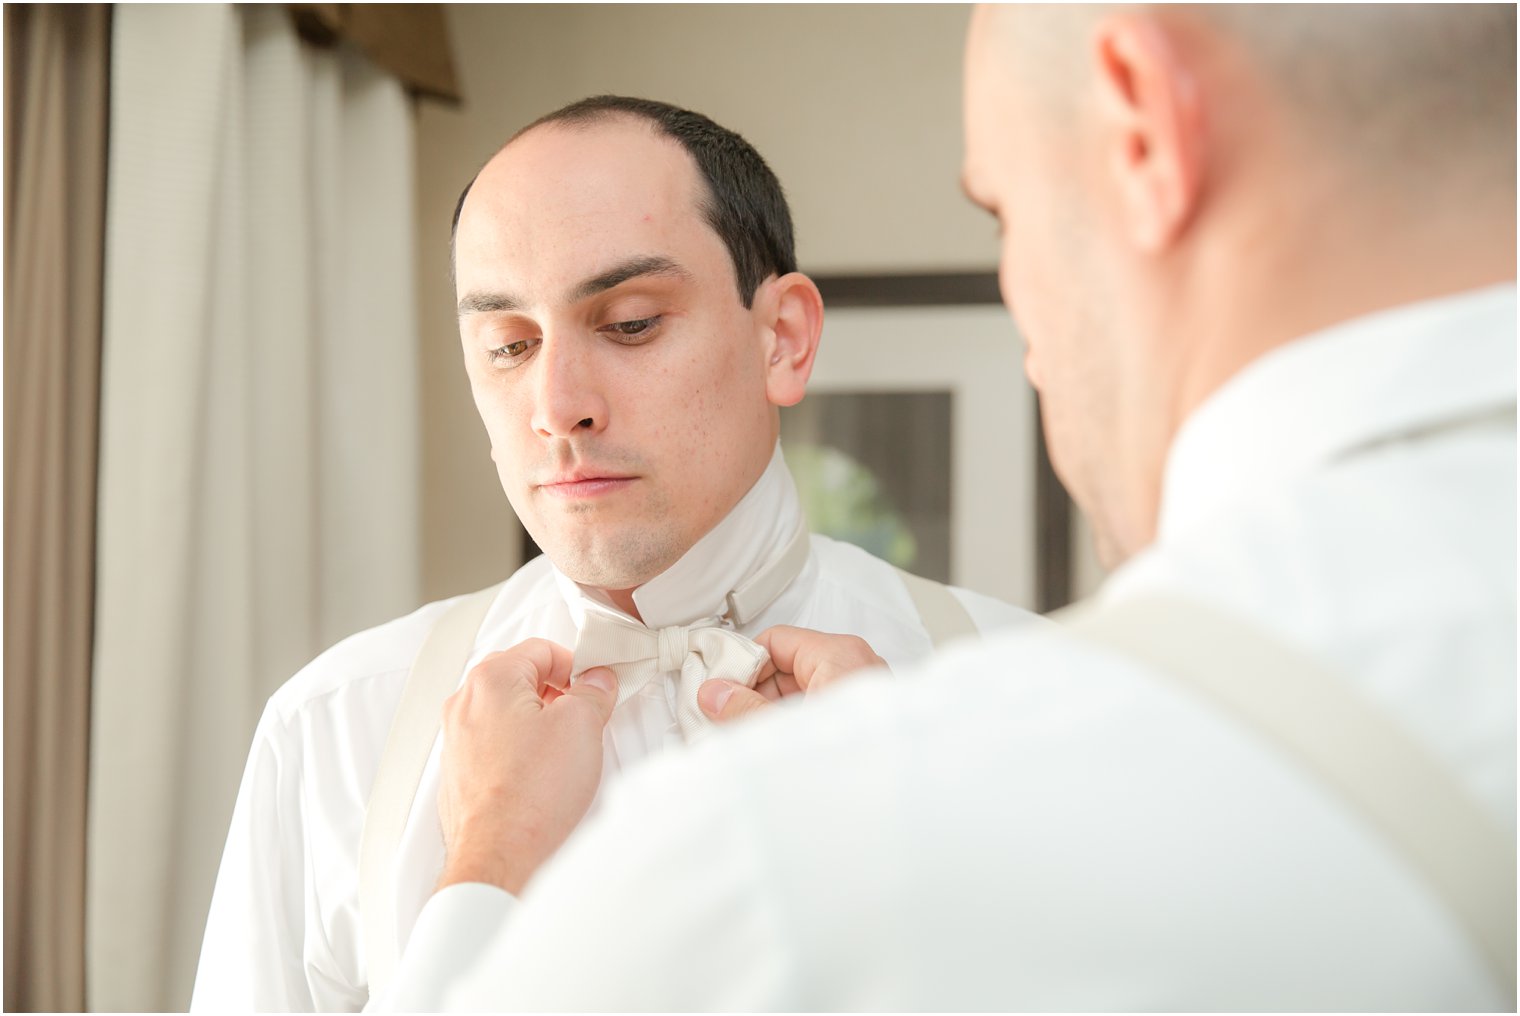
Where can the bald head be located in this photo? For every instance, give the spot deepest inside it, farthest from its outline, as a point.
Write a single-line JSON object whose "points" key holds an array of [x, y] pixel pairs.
{"points": [[1184, 188], [1418, 93]]}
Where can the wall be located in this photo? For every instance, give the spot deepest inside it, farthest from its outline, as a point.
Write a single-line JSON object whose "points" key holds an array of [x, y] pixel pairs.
{"points": [[856, 108]]}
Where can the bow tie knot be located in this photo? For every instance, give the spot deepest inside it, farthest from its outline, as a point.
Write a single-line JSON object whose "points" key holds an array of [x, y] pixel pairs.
{"points": [[673, 648], [695, 653]]}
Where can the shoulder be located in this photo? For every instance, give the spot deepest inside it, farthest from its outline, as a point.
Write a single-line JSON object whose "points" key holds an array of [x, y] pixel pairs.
{"points": [[992, 614], [873, 583], [837, 819], [375, 661]]}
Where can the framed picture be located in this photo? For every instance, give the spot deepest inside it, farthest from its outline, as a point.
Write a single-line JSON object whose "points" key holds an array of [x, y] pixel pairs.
{"points": [[920, 440], [916, 441]]}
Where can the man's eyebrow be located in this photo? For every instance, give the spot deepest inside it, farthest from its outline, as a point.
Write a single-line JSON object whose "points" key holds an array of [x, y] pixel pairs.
{"points": [[486, 303], [632, 268]]}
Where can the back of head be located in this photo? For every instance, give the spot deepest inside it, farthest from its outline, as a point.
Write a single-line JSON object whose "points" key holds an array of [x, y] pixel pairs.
{"points": [[1190, 186], [1408, 91], [1411, 94]]}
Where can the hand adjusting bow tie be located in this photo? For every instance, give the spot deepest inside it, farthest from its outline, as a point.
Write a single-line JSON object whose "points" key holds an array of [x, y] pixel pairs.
{"points": [[694, 652]]}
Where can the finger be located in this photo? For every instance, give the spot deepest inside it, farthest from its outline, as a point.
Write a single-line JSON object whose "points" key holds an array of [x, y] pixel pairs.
{"points": [[829, 668], [777, 686], [786, 684], [767, 689], [814, 658], [551, 663], [508, 675], [596, 690], [725, 701], [782, 642], [521, 675]]}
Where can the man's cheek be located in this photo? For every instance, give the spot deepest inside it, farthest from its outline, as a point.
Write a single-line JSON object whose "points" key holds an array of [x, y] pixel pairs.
{"points": [[1024, 312]]}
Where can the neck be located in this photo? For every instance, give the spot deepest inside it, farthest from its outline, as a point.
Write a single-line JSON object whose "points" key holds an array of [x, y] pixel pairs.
{"points": [[697, 585], [623, 600], [1325, 257], [1338, 269]]}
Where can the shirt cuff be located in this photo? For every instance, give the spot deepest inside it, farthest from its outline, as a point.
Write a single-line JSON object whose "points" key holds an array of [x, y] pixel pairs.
{"points": [[455, 927]]}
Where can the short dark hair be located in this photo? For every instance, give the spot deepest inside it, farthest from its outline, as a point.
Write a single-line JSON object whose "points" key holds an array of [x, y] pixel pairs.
{"points": [[744, 205]]}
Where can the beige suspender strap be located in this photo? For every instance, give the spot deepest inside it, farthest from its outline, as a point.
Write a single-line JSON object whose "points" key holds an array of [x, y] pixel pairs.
{"points": [[434, 675], [1343, 739], [943, 615]]}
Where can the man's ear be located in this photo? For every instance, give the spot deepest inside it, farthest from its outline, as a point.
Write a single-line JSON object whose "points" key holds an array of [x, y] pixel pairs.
{"points": [[794, 323], [1151, 127]]}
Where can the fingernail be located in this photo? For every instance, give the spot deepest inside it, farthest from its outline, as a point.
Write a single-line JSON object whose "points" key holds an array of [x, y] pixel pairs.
{"points": [[598, 677], [714, 695]]}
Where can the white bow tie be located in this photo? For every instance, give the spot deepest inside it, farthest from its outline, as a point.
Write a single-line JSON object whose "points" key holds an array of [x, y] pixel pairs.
{"points": [[696, 652]]}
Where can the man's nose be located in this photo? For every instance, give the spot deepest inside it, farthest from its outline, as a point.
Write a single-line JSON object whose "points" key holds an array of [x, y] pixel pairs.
{"points": [[568, 393]]}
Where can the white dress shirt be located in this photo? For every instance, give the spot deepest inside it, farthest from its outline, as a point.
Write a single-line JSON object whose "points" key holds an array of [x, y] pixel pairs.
{"points": [[284, 928], [1059, 827]]}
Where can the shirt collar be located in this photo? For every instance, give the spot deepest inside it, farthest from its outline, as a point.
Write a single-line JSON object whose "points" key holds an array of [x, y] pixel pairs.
{"points": [[757, 530], [1366, 380]]}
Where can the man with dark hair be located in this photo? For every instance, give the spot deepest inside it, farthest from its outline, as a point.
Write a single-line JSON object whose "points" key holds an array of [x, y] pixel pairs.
{"points": [[632, 320], [744, 203], [1265, 261]]}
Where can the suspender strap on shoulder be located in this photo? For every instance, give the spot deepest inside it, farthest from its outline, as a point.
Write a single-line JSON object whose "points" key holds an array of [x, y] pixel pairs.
{"points": [[943, 616], [433, 677], [1343, 739]]}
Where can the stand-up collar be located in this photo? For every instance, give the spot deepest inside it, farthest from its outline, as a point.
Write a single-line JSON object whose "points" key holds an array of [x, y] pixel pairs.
{"points": [[1372, 379], [754, 533]]}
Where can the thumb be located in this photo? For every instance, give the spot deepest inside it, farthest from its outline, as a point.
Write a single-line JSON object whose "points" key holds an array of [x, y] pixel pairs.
{"points": [[598, 688], [724, 701]]}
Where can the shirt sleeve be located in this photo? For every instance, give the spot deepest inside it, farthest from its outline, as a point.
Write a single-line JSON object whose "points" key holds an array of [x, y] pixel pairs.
{"points": [[992, 615], [450, 936], [259, 953], [619, 920]]}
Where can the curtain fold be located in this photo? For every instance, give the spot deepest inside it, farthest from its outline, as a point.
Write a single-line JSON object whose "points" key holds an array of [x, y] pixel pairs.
{"points": [[56, 62], [259, 459]]}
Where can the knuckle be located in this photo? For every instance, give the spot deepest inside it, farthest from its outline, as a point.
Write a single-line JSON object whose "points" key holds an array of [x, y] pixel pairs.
{"points": [[489, 664], [744, 701]]}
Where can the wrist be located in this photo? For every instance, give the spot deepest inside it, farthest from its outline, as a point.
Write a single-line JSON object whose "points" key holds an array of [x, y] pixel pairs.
{"points": [[492, 856], [488, 867]]}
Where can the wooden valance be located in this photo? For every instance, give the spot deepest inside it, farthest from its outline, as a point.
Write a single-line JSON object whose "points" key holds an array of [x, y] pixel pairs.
{"points": [[410, 41]]}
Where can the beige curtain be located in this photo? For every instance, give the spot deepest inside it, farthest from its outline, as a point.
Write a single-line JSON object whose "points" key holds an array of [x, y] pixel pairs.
{"points": [[259, 456], [55, 132]]}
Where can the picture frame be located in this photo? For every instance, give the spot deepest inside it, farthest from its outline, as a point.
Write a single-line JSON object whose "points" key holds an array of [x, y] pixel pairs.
{"points": [[1011, 521]]}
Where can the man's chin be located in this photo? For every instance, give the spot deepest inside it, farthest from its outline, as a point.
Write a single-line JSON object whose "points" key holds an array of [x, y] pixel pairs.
{"points": [[612, 560]]}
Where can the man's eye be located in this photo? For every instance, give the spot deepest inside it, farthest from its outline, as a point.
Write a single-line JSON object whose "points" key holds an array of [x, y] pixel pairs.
{"points": [[631, 329], [512, 352]]}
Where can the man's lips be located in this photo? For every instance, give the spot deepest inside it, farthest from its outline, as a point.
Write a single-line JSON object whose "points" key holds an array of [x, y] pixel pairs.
{"points": [[585, 484]]}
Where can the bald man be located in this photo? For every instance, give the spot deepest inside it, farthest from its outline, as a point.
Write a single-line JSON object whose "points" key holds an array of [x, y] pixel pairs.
{"points": [[1265, 262]]}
